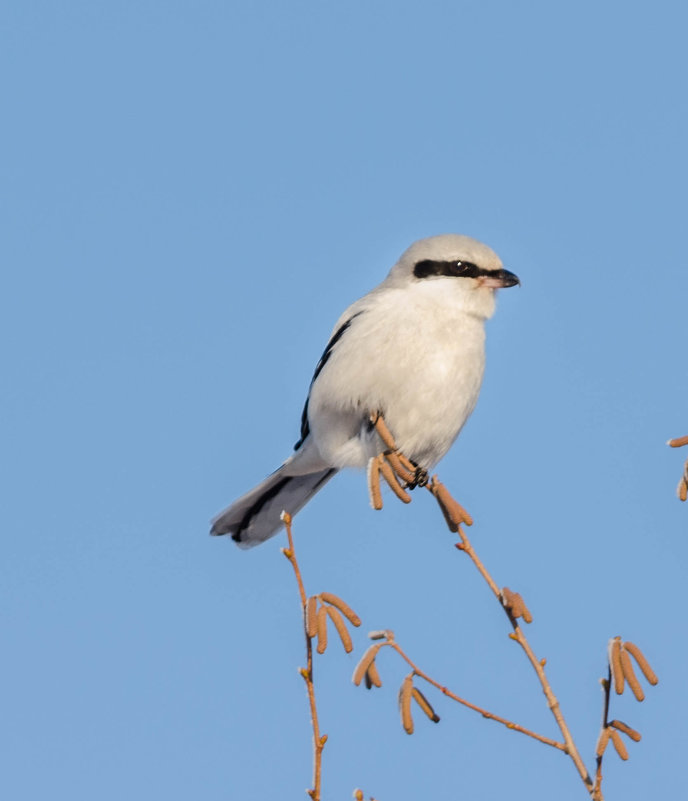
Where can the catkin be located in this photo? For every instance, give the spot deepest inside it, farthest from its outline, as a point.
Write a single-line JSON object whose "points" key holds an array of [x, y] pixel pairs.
{"points": [[683, 488], [343, 607], [365, 662], [627, 730], [631, 678], [322, 630], [311, 616], [405, 694], [615, 663], [398, 467], [454, 511], [643, 664], [424, 704], [383, 432], [618, 744], [374, 483], [514, 603], [391, 479], [602, 742], [372, 677], [527, 616], [517, 605], [342, 630]]}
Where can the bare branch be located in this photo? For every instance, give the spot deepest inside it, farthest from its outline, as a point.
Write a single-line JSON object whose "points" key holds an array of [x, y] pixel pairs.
{"points": [[518, 635], [307, 672]]}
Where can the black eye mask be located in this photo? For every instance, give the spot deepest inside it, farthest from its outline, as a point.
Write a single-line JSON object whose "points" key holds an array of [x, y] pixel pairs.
{"points": [[461, 269]]}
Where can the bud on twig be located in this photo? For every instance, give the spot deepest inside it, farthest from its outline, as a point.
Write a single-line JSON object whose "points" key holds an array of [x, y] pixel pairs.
{"points": [[381, 634]]}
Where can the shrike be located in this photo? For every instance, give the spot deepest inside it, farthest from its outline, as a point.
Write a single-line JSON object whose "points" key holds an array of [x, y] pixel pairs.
{"points": [[413, 350]]}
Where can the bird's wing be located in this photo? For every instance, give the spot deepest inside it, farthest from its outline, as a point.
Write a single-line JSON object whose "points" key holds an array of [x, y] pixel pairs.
{"points": [[334, 339]]}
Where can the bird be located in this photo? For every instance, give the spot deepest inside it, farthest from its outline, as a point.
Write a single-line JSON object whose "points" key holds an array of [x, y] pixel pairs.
{"points": [[412, 350]]}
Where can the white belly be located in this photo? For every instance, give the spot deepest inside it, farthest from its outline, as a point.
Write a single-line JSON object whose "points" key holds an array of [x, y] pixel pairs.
{"points": [[420, 364]]}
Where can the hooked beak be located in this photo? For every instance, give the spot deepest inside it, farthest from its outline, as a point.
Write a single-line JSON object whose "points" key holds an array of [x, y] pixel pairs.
{"points": [[499, 279]]}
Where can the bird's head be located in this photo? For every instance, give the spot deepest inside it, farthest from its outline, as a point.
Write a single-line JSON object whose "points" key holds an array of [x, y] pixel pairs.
{"points": [[457, 265]]}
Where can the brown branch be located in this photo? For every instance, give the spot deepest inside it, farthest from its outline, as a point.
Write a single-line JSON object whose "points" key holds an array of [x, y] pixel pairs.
{"points": [[307, 672], [455, 516], [440, 492], [484, 712], [619, 673], [606, 689]]}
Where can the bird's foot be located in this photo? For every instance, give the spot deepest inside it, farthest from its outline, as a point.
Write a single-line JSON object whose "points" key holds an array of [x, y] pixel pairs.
{"points": [[402, 474]]}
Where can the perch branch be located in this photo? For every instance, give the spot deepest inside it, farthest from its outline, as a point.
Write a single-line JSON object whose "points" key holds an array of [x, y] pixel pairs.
{"points": [[307, 672], [449, 508], [602, 741]]}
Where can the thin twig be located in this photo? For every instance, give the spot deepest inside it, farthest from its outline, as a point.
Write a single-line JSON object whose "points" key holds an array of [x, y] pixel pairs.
{"points": [[307, 672], [484, 712], [606, 689], [455, 515], [520, 638]]}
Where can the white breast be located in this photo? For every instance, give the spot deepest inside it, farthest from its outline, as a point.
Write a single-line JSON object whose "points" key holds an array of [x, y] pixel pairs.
{"points": [[415, 354]]}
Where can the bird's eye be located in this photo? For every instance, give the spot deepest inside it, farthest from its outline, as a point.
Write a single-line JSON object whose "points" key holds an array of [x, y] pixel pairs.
{"points": [[457, 269], [465, 269]]}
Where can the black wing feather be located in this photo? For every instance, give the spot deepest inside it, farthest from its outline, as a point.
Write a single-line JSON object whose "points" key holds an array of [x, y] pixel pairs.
{"points": [[338, 334]]}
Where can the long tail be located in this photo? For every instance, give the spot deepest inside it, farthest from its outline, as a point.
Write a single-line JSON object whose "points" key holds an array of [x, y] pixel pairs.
{"points": [[255, 517]]}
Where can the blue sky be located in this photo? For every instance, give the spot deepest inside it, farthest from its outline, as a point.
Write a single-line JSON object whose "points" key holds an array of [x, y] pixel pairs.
{"points": [[191, 195]]}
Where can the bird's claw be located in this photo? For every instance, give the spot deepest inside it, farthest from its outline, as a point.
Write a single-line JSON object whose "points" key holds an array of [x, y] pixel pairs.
{"points": [[420, 478], [402, 474]]}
